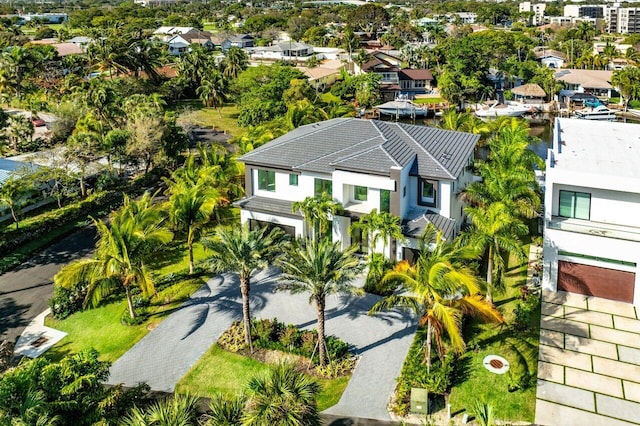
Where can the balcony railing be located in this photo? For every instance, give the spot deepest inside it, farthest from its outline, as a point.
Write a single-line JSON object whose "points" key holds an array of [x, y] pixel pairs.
{"points": [[599, 229]]}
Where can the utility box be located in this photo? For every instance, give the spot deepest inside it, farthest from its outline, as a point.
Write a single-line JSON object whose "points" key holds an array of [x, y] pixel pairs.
{"points": [[419, 401]]}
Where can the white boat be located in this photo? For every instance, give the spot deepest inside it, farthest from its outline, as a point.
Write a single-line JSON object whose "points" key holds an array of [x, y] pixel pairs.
{"points": [[401, 107], [599, 112], [497, 110]]}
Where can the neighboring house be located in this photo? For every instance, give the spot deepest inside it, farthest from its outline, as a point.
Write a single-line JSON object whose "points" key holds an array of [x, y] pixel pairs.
{"points": [[321, 77], [240, 40], [146, 3], [592, 206], [165, 33], [594, 82], [63, 49], [181, 43], [413, 172], [285, 51], [550, 58], [397, 80]]}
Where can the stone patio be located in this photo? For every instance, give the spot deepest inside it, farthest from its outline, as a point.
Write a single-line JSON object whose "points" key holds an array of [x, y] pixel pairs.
{"points": [[589, 362]]}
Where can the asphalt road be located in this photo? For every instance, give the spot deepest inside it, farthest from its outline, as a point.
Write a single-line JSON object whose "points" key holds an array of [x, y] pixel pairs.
{"points": [[25, 291]]}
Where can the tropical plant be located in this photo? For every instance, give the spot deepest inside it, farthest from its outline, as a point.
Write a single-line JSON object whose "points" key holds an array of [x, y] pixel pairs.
{"points": [[627, 81], [243, 251], [484, 413], [379, 226], [235, 61], [317, 212], [497, 232], [283, 397], [133, 232], [14, 193], [320, 268], [440, 289], [213, 91], [180, 410], [225, 411]]}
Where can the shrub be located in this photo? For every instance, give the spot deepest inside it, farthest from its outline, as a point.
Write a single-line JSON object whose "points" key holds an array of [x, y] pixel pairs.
{"points": [[290, 337], [66, 301], [524, 312], [378, 266], [336, 368], [233, 339]]}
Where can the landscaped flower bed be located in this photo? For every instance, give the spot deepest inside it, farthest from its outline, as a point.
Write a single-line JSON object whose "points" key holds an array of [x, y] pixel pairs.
{"points": [[274, 341]]}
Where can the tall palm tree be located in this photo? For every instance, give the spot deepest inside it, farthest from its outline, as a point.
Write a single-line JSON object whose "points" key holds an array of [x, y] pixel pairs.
{"points": [[495, 231], [627, 81], [284, 397], [243, 251], [440, 289], [320, 268], [213, 91], [190, 208], [235, 62], [125, 243], [317, 212]]}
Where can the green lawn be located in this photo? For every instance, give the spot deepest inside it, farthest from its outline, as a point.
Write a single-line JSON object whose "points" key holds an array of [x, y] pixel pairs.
{"points": [[429, 101], [101, 328], [477, 382], [195, 112], [226, 372]]}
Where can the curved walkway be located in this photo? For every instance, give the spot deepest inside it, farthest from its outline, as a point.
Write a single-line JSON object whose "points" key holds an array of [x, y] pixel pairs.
{"points": [[164, 355]]}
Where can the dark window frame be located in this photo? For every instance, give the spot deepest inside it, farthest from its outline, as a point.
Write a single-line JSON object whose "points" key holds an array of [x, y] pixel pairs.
{"points": [[269, 183], [574, 197], [421, 199]]}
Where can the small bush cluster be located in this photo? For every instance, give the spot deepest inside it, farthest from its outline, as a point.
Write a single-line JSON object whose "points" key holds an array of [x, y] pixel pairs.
{"points": [[66, 301], [524, 312], [274, 335], [414, 374]]}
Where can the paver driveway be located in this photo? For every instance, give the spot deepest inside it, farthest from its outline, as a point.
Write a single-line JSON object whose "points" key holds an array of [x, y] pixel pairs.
{"points": [[164, 355], [589, 362]]}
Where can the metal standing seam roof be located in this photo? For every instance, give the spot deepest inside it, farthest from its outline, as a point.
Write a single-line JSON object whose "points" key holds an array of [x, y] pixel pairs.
{"points": [[418, 221], [367, 146], [268, 205]]}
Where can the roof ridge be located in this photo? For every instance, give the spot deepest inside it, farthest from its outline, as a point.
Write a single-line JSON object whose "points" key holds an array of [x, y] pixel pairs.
{"points": [[401, 127], [357, 154], [336, 152]]}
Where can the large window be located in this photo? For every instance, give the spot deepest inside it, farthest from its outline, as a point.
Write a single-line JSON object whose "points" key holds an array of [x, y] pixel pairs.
{"points": [[360, 193], [575, 205], [385, 200], [267, 180], [323, 186], [428, 192]]}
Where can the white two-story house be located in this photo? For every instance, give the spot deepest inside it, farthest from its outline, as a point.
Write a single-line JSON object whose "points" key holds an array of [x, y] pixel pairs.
{"points": [[592, 210], [413, 172]]}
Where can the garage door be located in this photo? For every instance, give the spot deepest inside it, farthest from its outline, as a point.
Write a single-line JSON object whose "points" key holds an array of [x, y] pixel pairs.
{"points": [[595, 281]]}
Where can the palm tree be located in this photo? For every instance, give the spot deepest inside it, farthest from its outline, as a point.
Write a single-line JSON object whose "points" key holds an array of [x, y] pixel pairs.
{"points": [[180, 410], [627, 81], [320, 268], [379, 226], [125, 243], [495, 231], [464, 121], [190, 207], [317, 212], [213, 91], [243, 251], [284, 397], [235, 62], [440, 289], [226, 412], [304, 112], [14, 193]]}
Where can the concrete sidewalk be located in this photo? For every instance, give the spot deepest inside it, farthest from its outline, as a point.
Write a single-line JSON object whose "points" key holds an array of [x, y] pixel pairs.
{"points": [[164, 355]]}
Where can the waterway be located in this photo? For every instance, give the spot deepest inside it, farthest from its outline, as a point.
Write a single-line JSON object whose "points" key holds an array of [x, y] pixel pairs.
{"points": [[540, 128]]}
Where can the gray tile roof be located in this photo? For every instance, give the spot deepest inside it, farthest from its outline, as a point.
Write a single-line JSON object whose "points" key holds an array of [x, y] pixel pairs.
{"points": [[367, 146], [268, 205], [418, 220], [9, 167]]}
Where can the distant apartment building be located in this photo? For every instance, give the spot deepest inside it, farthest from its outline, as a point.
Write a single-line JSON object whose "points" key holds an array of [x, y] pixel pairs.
{"points": [[624, 20], [537, 18], [595, 11]]}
